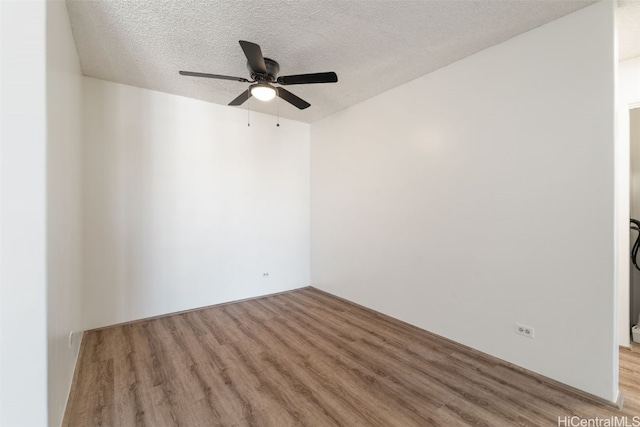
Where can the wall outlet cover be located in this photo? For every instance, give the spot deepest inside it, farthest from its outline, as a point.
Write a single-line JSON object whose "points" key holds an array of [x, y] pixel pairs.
{"points": [[526, 331]]}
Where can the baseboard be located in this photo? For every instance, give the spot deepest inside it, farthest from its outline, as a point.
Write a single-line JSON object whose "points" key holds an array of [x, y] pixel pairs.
{"points": [[541, 378], [620, 400], [144, 319], [73, 377]]}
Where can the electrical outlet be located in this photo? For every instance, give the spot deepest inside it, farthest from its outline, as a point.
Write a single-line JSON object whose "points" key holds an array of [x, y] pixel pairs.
{"points": [[265, 274], [523, 330], [70, 339]]}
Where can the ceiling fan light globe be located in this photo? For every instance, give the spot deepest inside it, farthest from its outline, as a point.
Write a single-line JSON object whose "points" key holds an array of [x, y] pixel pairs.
{"points": [[263, 92]]}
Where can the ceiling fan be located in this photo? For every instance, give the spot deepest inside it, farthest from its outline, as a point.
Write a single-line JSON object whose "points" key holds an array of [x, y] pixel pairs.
{"points": [[264, 73]]}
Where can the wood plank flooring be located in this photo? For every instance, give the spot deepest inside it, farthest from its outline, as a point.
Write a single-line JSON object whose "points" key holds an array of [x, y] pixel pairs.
{"points": [[306, 358]]}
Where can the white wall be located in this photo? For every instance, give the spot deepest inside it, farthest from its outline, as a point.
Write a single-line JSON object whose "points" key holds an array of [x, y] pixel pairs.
{"points": [[482, 195], [23, 357], [628, 95], [186, 206], [64, 250]]}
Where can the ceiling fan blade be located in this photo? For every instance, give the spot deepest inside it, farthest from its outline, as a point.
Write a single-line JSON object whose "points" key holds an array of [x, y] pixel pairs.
{"points": [[240, 99], [213, 76], [254, 55], [300, 79], [292, 99]]}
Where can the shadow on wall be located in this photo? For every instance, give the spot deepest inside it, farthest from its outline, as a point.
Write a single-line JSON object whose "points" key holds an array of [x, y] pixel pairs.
{"points": [[185, 206]]}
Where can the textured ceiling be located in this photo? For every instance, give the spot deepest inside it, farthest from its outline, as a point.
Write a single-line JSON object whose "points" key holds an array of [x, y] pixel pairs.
{"points": [[628, 29], [373, 45]]}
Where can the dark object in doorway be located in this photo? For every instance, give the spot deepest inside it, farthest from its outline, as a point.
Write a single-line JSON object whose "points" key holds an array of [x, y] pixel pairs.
{"points": [[635, 225]]}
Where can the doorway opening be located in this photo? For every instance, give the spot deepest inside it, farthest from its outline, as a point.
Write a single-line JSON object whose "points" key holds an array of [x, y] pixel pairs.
{"points": [[634, 207]]}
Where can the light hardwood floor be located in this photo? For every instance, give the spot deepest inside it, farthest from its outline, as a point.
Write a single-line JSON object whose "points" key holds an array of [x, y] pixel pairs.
{"points": [[308, 358]]}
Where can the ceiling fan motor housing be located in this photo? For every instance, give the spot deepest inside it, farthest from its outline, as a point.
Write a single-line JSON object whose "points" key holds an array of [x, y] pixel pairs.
{"points": [[273, 68]]}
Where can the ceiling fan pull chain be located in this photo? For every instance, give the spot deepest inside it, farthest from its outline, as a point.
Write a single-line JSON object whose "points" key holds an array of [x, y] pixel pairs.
{"points": [[278, 109], [248, 102]]}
